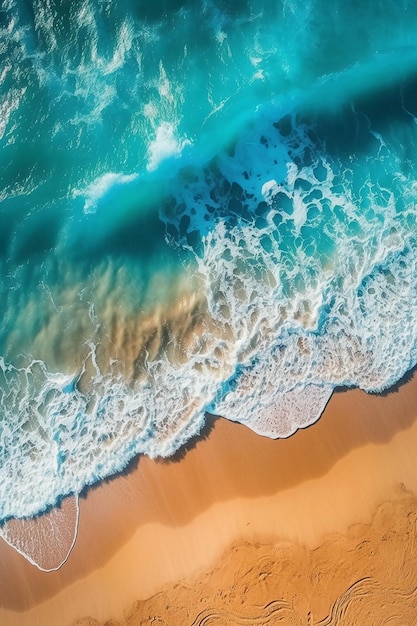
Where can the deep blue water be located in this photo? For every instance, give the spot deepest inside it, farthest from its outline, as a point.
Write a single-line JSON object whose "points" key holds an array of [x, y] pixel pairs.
{"points": [[204, 206]]}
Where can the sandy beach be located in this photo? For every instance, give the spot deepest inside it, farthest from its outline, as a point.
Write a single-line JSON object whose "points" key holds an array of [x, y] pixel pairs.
{"points": [[316, 529]]}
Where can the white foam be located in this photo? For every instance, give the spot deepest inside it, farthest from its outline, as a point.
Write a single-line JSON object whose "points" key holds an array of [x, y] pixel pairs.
{"points": [[279, 416], [59, 439], [100, 186], [270, 189], [124, 45], [9, 104], [46, 541], [166, 145]]}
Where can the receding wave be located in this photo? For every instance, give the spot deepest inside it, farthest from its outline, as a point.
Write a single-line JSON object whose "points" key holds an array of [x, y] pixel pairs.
{"points": [[45, 541]]}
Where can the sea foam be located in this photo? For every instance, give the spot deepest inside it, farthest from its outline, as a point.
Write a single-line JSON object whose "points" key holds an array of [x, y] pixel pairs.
{"points": [[165, 145], [99, 187], [45, 541]]}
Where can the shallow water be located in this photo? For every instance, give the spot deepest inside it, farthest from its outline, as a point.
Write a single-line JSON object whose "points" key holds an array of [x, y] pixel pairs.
{"points": [[204, 207]]}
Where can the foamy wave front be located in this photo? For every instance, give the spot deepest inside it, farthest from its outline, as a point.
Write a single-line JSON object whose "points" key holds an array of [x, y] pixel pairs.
{"points": [[45, 541]]}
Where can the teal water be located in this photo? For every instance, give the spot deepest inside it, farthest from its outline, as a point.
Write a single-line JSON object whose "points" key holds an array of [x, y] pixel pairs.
{"points": [[204, 207]]}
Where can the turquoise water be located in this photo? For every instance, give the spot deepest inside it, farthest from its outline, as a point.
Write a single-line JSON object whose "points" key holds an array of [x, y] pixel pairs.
{"points": [[204, 207]]}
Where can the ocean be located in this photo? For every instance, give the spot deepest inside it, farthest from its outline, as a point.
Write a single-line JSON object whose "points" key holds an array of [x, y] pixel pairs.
{"points": [[206, 207]]}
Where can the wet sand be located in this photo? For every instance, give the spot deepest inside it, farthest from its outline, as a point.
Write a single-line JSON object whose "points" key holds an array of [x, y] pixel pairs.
{"points": [[319, 520]]}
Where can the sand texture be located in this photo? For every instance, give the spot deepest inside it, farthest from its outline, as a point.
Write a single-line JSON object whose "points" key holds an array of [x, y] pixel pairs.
{"points": [[319, 528], [365, 578]]}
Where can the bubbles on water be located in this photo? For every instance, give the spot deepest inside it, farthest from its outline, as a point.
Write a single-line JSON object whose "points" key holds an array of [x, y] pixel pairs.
{"points": [[47, 540], [273, 415]]}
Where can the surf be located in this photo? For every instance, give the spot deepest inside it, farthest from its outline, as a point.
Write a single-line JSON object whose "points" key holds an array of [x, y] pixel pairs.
{"points": [[206, 211]]}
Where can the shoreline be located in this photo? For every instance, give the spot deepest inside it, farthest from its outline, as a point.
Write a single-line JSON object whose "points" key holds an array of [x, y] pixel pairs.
{"points": [[167, 521]]}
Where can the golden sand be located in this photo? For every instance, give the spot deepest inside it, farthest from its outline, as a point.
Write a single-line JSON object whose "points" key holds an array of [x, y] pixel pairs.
{"points": [[316, 529], [366, 577]]}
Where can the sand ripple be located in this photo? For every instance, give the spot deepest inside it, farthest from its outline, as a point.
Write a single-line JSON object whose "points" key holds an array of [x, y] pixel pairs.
{"points": [[367, 577]]}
